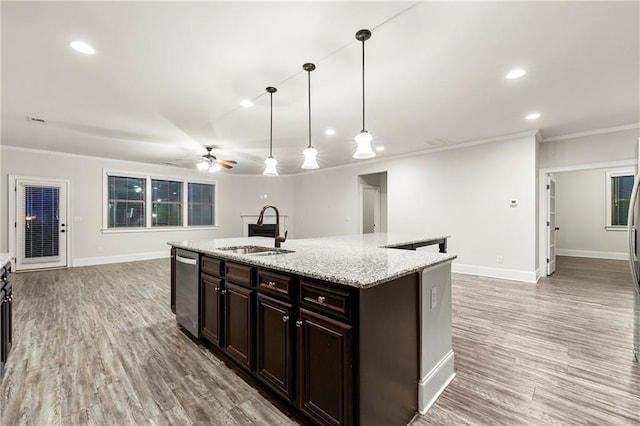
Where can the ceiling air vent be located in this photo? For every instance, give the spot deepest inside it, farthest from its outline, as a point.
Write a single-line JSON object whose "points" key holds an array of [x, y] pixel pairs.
{"points": [[36, 120], [435, 143]]}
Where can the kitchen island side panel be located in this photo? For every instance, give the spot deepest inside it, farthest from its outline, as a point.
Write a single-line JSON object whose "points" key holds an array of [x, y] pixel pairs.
{"points": [[389, 344]]}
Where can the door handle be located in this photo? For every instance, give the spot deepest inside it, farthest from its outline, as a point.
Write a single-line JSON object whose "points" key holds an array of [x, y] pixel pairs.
{"points": [[62, 230], [186, 260], [557, 229]]}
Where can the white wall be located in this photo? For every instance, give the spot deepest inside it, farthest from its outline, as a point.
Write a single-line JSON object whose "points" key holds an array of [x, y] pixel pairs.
{"points": [[236, 195], [601, 148], [580, 215], [460, 192]]}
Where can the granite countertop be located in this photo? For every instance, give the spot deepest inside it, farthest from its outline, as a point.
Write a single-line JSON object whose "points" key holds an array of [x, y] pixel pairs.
{"points": [[5, 258], [355, 260]]}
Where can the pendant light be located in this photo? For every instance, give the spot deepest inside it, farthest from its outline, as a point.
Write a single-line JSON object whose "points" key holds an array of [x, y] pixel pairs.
{"points": [[309, 152], [363, 150], [271, 162]]}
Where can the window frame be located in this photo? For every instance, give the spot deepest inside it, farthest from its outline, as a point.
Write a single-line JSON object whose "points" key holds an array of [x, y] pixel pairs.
{"points": [[609, 194], [182, 183], [149, 203]]}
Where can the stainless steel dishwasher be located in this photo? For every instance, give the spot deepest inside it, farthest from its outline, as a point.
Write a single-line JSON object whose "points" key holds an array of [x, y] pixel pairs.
{"points": [[188, 291]]}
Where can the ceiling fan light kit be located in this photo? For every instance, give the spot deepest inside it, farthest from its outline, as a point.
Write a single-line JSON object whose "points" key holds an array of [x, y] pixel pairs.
{"points": [[310, 152], [271, 163], [210, 163], [364, 138]]}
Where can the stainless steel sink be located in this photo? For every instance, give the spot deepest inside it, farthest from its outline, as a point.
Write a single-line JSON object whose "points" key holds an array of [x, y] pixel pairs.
{"points": [[255, 250]]}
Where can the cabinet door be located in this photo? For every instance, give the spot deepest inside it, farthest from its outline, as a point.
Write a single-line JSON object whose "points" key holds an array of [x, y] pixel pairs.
{"points": [[275, 345], [325, 368], [173, 280], [238, 324], [211, 312]]}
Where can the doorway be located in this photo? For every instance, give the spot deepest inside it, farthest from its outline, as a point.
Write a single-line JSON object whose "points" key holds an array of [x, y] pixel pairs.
{"points": [[40, 231], [573, 215], [373, 203]]}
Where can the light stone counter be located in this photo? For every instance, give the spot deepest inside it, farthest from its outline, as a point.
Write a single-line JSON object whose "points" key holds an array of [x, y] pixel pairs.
{"points": [[5, 259], [359, 261]]}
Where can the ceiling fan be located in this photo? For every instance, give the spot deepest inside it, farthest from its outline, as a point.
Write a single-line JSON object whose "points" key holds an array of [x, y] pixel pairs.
{"points": [[211, 163]]}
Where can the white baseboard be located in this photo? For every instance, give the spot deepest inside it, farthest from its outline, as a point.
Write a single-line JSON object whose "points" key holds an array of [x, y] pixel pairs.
{"points": [[435, 382], [505, 274], [593, 254], [103, 260]]}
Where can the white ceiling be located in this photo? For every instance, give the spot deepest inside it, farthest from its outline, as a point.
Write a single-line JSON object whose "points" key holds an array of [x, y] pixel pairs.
{"points": [[167, 78]]}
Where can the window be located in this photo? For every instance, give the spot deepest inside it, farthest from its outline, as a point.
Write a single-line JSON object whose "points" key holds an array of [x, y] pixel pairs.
{"points": [[619, 186], [126, 202], [166, 196], [201, 204], [134, 203]]}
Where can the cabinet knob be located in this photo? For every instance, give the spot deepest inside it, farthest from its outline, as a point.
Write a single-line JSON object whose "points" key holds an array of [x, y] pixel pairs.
{"points": [[320, 299], [285, 318], [217, 288], [223, 291], [272, 284], [298, 324]]}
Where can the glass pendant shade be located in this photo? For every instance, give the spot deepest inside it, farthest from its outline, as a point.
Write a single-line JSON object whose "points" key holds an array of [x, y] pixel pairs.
{"points": [[215, 168], [203, 165], [363, 150], [310, 161], [270, 169]]}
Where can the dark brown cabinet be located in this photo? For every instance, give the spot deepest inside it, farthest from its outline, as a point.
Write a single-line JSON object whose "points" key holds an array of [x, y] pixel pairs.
{"points": [[211, 309], [275, 344], [239, 323], [325, 368]]}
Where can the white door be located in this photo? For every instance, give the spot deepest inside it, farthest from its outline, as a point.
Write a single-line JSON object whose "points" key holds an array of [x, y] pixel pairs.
{"points": [[370, 209], [551, 224], [41, 224]]}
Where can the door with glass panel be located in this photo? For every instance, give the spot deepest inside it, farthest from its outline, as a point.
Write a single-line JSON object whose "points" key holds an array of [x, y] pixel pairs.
{"points": [[41, 224]]}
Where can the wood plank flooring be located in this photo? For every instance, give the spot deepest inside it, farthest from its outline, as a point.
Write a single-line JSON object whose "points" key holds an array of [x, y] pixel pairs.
{"points": [[99, 345]]}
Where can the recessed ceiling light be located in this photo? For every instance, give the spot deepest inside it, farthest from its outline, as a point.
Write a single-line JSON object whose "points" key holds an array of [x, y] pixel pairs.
{"points": [[246, 103], [379, 148], [329, 132], [515, 73], [533, 116], [82, 47]]}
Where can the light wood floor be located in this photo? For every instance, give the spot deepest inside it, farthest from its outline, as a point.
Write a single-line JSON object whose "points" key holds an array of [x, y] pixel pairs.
{"points": [[99, 345]]}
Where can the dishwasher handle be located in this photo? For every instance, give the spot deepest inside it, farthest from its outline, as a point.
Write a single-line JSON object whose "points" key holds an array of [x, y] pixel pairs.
{"points": [[186, 260]]}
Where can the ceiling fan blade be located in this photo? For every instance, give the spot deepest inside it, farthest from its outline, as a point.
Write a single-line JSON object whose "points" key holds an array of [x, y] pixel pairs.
{"points": [[228, 161], [226, 166]]}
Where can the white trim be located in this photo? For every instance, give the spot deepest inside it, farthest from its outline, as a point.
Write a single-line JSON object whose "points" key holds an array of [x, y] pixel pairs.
{"points": [[505, 274], [435, 382], [158, 229], [13, 205], [538, 276], [592, 132], [103, 260], [607, 197], [593, 254], [591, 166]]}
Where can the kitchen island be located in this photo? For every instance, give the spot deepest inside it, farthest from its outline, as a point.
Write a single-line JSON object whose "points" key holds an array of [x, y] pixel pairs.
{"points": [[345, 329]]}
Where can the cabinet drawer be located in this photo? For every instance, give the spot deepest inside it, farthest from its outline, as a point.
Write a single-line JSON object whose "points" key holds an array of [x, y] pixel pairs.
{"points": [[212, 266], [270, 282], [240, 274], [326, 299]]}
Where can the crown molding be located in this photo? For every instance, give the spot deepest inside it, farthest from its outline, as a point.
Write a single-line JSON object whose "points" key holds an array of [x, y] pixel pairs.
{"points": [[592, 132]]}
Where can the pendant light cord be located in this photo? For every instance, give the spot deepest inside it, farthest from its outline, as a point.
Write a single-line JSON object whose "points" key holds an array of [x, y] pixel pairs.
{"points": [[309, 92], [363, 127], [271, 128]]}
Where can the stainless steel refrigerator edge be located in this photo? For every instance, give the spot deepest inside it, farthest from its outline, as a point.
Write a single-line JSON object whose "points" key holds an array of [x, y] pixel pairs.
{"points": [[632, 220], [188, 291]]}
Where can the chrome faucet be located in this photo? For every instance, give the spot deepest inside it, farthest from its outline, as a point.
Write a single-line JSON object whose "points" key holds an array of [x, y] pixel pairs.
{"points": [[279, 239]]}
